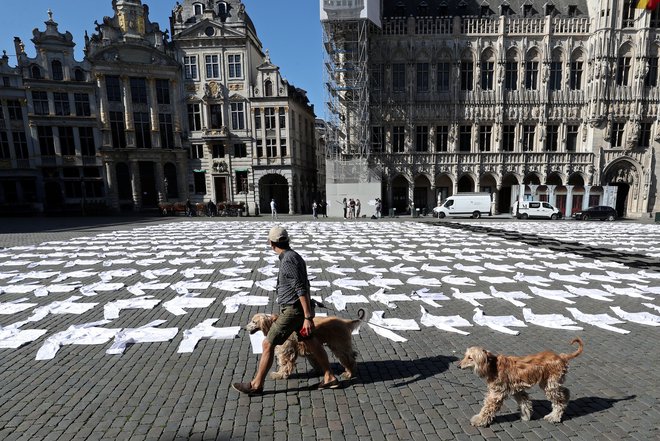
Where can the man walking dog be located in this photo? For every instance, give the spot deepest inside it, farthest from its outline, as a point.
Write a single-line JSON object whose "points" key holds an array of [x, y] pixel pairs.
{"points": [[296, 315]]}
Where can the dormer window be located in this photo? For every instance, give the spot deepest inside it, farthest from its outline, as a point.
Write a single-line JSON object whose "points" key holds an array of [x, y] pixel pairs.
{"points": [[572, 10], [199, 8], [79, 75], [58, 72], [550, 9], [223, 11], [506, 10], [35, 72], [527, 10], [423, 9], [443, 10], [485, 10], [400, 9], [268, 88]]}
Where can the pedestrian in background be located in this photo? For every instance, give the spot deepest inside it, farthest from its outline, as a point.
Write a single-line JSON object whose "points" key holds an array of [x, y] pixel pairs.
{"points": [[351, 209], [273, 209], [345, 207], [315, 209], [358, 208], [379, 208]]}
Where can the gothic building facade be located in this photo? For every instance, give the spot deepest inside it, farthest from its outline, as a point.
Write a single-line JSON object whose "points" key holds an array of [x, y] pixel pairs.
{"points": [[558, 96], [251, 132]]}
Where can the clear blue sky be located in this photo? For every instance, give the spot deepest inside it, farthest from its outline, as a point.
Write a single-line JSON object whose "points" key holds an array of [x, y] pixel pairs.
{"points": [[290, 29]]}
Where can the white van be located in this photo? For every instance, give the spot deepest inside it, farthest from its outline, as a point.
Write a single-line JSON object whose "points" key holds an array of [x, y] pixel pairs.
{"points": [[465, 204], [535, 209]]}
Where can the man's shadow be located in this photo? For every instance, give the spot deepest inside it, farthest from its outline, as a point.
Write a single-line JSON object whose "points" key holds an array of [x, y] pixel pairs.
{"points": [[576, 408]]}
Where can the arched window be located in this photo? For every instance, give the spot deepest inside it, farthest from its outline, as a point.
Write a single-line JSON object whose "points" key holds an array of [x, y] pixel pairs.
{"points": [[556, 69], [511, 70], [35, 72], [58, 72], [199, 9], [223, 11], [532, 69], [577, 65], [268, 88], [79, 75], [623, 66], [487, 69]]}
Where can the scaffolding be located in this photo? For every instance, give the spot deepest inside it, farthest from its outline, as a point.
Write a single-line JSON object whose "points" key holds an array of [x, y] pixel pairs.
{"points": [[346, 43]]}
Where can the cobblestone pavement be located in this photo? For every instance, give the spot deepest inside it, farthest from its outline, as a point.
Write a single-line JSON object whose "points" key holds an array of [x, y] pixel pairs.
{"points": [[404, 390]]}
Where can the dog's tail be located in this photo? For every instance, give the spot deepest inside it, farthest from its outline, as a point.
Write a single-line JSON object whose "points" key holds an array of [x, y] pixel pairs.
{"points": [[580, 348], [355, 324]]}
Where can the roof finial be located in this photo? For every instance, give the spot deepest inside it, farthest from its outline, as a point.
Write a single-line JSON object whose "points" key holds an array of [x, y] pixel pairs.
{"points": [[267, 56], [50, 14]]}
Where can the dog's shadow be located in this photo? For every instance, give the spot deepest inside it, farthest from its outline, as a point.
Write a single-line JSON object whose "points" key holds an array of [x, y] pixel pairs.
{"points": [[408, 371], [578, 407]]}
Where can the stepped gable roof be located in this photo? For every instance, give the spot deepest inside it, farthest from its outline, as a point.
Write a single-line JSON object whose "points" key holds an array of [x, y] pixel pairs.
{"points": [[519, 8]]}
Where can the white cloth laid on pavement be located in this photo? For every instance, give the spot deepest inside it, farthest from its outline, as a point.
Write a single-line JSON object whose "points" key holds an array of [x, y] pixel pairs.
{"points": [[436, 269], [39, 275], [107, 276], [445, 323], [427, 297], [235, 271], [184, 286], [340, 300], [570, 278], [649, 275], [510, 296], [16, 306], [349, 283], [156, 273], [91, 290], [423, 281], [385, 283], [235, 284], [387, 334], [189, 300], [643, 318], [646, 289], [19, 289], [470, 297], [503, 268], [499, 323], [11, 337], [205, 330], [474, 269], [534, 280], [74, 275], [629, 291], [267, 284], [560, 266], [393, 324], [599, 277], [553, 294], [652, 306], [148, 333], [122, 261], [455, 280], [242, 298], [81, 262], [597, 294], [139, 288], [111, 310], [191, 273], [67, 306], [603, 321], [530, 267], [387, 299], [497, 280], [83, 334], [256, 341], [553, 321], [59, 289]]}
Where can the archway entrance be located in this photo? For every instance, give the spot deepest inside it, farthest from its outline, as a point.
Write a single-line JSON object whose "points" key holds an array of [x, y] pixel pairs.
{"points": [[148, 183], [623, 175], [276, 187], [465, 184], [444, 188], [621, 198], [504, 205], [400, 194], [422, 191], [54, 199]]}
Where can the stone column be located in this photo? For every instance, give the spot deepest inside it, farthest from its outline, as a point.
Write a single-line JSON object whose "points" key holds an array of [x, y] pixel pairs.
{"points": [[569, 201], [411, 198], [103, 101], [111, 183], [128, 102], [585, 197], [182, 177], [153, 103], [494, 201], [552, 197], [292, 207], [533, 189], [176, 109], [136, 186], [160, 182]]}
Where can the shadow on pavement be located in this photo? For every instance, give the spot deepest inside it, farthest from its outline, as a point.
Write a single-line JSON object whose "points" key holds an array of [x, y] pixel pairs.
{"points": [[586, 405], [57, 224], [409, 371]]}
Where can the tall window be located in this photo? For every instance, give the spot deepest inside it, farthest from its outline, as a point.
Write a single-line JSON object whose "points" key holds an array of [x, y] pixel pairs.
{"points": [[465, 139], [61, 101], [487, 73], [531, 75], [142, 130], [555, 75], [442, 138], [257, 118], [508, 137], [46, 141], [260, 149], [644, 135], [623, 71], [617, 134], [235, 66], [377, 138], [628, 17], [237, 116], [511, 75], [58, 72], [528, 138], [269, 118], [485, 136], [4, 146], [20, 145], [67, 144], [377, 77], [14, 110], [282, 114], [576, 75], [398, 139], [651, 79], [422, 77], [422, 138], [218, 150], [268, 88], [198, 8], [552, 138], [271, 148], [163, 91], [113, 88], [199, 181], [241, 181], [571, 138], [166, 131], [190, 67], [444, 73], [87, 144], [283, 150], [212, 66], [215, 114], [81, 101], [196, 151], [467, 75], [194, 117], [139, 90], [398, 77], [40, 103], [240, 150], [117, 130]]}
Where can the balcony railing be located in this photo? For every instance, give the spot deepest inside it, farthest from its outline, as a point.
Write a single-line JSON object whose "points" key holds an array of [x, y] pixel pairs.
{"points": [[485, 158]]}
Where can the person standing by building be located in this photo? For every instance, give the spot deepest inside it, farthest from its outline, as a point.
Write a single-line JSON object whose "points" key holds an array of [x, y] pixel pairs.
{"points": [[345, 204], [315, 210], [273, 209], [296, 314], [379, 208], [358, 208]]}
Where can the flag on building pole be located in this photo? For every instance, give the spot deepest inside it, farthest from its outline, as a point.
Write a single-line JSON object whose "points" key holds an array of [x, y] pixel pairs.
{"points": [[648, 4]]}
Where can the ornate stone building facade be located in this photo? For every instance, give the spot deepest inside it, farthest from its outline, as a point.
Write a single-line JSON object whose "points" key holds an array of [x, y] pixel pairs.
{"points": [[561, 96], [138, 81], [251, 132]]}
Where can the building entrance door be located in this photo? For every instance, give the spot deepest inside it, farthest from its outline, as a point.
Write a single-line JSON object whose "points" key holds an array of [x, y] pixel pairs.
{"points": [[148, 184], [220, 184]]}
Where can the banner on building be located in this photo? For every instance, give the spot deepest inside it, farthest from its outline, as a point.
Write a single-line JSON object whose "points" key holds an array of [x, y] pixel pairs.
{"points": [[351, 10], [648, 4]]}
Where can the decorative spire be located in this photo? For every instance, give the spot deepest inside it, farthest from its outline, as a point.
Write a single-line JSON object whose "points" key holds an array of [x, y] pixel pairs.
{"points": [[50, 14], [267, 56]]}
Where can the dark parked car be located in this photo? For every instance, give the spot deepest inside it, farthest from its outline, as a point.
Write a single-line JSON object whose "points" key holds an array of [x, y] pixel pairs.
{"points": [[598, 212]]}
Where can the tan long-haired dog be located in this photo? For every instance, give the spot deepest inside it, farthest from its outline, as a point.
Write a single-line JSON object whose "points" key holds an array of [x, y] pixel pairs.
{"points": [[333, 331], [509, 375]]}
